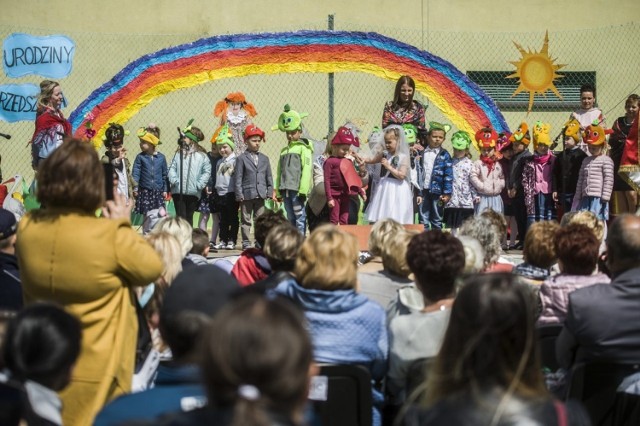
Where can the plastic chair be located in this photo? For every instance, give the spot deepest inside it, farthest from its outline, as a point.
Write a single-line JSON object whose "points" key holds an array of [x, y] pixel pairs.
{"points": [[341, 395], [547, 336], [595, 385]]}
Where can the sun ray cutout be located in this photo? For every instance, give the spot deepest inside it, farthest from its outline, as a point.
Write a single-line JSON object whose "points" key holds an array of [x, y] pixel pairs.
{"points": [[536, 71]]}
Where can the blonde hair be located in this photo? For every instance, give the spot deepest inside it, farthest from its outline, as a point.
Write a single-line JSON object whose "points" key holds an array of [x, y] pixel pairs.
{"points": [[179, 228], [394, 253], [328, 260], [380, 234], [170, 251], [46, 91], [589, 219]]}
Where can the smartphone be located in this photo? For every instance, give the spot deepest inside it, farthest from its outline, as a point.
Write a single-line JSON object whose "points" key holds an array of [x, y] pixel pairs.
{"points": [[109, 178]]}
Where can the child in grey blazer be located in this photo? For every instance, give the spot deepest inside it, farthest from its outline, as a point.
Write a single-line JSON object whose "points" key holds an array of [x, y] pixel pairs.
{"points": [[254, 183]]}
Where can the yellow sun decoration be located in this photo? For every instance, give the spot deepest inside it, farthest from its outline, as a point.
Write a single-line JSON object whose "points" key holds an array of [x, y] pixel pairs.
{"points": [[536, 71]]}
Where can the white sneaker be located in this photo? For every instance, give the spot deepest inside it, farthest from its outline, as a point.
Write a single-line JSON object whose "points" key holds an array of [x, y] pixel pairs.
{"points": [[230, 245], [220, 246]]}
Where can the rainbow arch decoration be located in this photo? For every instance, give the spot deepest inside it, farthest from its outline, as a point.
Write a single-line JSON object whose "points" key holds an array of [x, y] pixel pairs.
{"points": [[463, 102]]}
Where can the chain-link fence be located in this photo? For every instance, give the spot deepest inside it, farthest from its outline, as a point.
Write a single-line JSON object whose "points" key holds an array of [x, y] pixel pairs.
{"points": [[603, 56]]}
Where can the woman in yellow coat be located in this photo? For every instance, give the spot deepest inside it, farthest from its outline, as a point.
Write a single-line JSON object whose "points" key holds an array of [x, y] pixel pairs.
{"points": [[89, 265]]}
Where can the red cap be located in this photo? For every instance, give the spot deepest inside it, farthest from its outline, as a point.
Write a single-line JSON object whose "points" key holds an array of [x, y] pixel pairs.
{"points": [[253, 130], [344, 136]]}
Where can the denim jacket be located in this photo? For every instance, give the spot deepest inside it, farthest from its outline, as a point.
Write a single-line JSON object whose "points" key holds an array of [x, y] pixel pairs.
{"points": [[150, 172], [441, 176]]}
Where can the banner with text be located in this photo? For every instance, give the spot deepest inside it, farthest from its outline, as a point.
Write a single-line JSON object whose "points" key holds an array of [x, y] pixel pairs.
{"points": [[50, 56], [18, 102]]}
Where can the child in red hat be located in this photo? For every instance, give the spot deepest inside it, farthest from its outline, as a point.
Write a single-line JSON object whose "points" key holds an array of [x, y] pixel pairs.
{"points": [[340, 177], [487, 176], [254, 182]]}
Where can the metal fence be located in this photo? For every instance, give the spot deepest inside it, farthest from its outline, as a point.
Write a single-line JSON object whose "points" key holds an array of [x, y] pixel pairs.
{"points": [[602, 55]]}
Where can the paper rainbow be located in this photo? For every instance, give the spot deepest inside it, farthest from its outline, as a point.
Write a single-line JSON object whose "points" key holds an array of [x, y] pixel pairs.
{"points": [[228, 56]]}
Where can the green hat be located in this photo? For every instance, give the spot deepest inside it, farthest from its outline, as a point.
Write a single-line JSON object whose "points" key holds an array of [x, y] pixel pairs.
{"points": [[434, 125], [461, 140], [410, 133], [289, 120], [187, 132], [224, 137]]}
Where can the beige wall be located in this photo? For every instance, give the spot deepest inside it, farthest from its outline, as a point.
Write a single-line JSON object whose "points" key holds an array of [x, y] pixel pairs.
{"points": [[235, 16]]}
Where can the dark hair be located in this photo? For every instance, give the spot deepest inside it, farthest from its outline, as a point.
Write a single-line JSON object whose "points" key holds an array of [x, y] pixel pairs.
{"points": [[577, 249], [265, 222], [200, 240], [261, 344], [538, 247], [183, 332], [588, 87], [623, 243], [72, 176], [405, 79], [490, 342], [436, 259], [114, 132], [42, 344], [282, 246]]}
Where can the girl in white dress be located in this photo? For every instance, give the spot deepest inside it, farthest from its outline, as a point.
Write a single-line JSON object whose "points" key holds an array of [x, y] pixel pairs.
{"points": [[393, 197]]}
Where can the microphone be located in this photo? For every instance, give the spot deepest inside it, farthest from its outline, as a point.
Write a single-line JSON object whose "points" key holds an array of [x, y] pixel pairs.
{"points": [[4, 135]]}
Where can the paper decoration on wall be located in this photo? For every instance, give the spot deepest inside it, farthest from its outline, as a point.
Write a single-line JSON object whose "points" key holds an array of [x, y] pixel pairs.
{"points": [[536, 71], [18, 102], [50, 56], [227, 56]]}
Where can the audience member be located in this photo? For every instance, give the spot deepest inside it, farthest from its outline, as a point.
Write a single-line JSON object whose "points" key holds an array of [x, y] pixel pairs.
{"points": [[488, 370], [473, 255], [10, 287], [483, 229], [499, 221], [382, 286], [539, 253], [191, 302], [577, 249], [436, 260], [281, 249], [380, 233], [601, 320], [346, 327], [200, 249], [40, 351], [252, 265], [92, 277], [181, 229]]}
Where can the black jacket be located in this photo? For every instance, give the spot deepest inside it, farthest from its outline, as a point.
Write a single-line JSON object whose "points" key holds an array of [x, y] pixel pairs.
{"points": [[567, 170]]}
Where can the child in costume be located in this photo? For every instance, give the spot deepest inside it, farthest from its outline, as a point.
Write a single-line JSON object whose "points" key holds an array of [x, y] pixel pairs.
{"points": [[196, 170], [115, 155], [520, 140], [537, 177], [374, 171], [624, 196], [340, 177], [486, 175], [253, 182], [293, 176], [460, 206], [392, 198], [150, 175], [567, 165], [225, 188], [208, 200], [595, 182], [505, 149], [435, 177], [588, 113], [235, 112]]}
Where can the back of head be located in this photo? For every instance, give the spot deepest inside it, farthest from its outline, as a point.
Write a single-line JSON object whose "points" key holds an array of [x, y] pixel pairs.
{"points": [[485, 231], [394, 253], [587, 218], [381, 231], [498, 220], [195, 296], [328, 260], [282, 246], [436, 259], [623, 244], [170, 251], [538, 247], [490, 341], [179, 228], [257, 359], [265, 222], [72, 177], [42, 344], [200, 240], [576, 247]]}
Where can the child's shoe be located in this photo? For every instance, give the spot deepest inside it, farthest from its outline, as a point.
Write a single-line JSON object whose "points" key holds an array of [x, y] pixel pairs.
{"points": [[231, 245], [246, 245], [220, 246]]}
